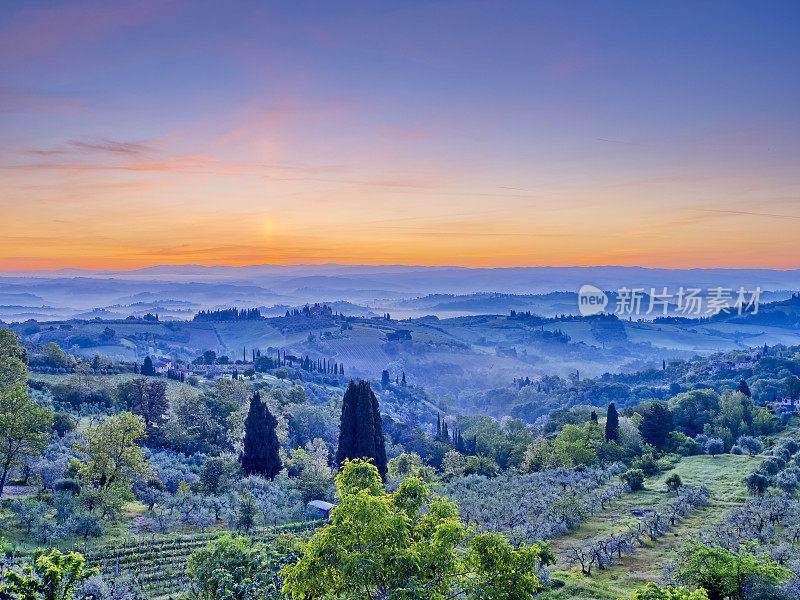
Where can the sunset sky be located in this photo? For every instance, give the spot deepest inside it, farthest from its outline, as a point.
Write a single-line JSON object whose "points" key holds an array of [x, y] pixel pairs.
{"points": [[437, 133]]}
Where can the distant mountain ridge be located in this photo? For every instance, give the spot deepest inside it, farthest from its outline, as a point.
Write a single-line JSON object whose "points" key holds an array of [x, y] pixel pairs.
{"points": [[375, 288]]}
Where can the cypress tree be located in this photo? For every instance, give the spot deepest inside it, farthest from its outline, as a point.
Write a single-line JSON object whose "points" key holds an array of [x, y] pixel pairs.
{"points": [[361, 427], [380, 443], [744, 388], [593, 416], [260, 455], [612, 423], [147, 366]]}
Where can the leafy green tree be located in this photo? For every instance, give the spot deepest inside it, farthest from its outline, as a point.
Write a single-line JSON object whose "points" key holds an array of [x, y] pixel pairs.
{"points": [[756, 483], [53, 576], [13, 361], [310, 465], [791, 387], [481, 465], [454, 464], [404, 465], [653, 591], [692, 410], [56, 357], [405, 545], [578, 446], [612, 423], [148, 398], [261, 455], [113, 460], [24, 429], [723, 573], [212, 473], [656, 422], [361, 427], [247, 511]]}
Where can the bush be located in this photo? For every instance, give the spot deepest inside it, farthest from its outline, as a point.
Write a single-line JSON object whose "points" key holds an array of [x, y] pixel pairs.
{"points": [[72, 486], [62, 423], [647, 464], [674, 482], [634, 478]]}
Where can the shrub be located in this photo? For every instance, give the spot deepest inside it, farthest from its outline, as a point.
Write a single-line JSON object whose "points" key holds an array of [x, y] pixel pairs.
{"points": [[634, 478], [647, 464], [673, 482], [67, 485]]}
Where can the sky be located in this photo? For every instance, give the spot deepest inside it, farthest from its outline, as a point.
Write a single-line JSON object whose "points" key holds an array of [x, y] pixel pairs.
{"points": [[529, 133]]}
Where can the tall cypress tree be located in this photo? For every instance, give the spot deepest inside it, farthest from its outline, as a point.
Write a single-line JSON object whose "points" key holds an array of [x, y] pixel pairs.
{"points": [[612, 423], [361, 427], [380, 442], [261, 449], [147, 366]]}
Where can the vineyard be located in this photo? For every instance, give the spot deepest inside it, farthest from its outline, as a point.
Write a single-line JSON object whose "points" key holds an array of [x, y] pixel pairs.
{"points": [[156, 565]]}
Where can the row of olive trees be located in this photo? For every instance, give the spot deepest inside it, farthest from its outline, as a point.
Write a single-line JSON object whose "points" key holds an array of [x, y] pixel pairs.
{"points": [[602, 552]]}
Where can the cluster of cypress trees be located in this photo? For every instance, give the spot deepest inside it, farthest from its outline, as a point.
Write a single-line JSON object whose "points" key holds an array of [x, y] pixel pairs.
{"points": [[455, 440], [261, 448], [361, 427]]}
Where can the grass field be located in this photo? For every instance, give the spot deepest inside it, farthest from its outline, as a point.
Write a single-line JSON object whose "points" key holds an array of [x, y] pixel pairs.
{"points": [[722, 475]]}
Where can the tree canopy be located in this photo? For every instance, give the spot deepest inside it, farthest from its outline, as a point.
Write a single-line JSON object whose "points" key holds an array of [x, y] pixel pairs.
{"points": [[406, 545]]}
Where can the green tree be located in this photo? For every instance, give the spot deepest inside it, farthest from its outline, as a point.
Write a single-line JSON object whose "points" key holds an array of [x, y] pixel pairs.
{"points": [[113, 460], [405, 545], [53, 576], [147, 398], [656, 422], [13, 361], [405, 465], [24, 429], [56, 357], [261, 454], [361, 427], [612, 423], [723, 573], [791, 387], [654, 592], [212, 473], [578, 446]]}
